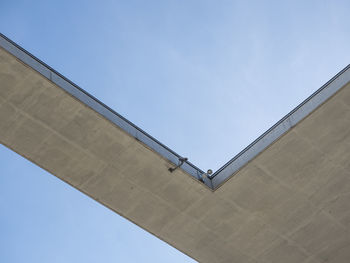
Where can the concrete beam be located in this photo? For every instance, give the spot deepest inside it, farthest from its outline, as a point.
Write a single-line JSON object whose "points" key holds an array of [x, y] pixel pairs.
{"points": [[288, 200]]}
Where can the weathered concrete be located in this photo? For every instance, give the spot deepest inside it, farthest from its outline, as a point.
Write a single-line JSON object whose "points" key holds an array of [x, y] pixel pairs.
{"points": [[288, 204]]}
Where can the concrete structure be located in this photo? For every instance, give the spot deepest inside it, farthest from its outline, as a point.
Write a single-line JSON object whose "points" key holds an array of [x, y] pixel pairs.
{"points": [[285, 198]]}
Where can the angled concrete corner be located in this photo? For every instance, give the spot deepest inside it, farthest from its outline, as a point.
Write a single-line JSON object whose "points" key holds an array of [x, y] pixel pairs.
{"points": [[289, 195]]}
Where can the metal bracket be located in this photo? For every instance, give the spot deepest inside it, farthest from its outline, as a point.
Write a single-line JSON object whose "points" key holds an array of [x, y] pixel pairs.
{"points": [[181, 161], [205, 176]]}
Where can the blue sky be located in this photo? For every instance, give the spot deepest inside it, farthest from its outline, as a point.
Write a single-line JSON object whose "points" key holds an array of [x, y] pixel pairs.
{"points": [[203, 77]]}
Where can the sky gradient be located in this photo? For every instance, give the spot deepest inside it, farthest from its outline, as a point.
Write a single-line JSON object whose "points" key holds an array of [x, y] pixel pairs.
{"points": [[203, 77]]}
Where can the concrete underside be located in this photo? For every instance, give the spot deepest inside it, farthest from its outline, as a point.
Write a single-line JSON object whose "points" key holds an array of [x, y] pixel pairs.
{"points": [[290, 204]]}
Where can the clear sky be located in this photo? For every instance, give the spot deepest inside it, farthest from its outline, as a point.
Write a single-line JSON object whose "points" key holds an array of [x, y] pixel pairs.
{"points": [[203, 77]]}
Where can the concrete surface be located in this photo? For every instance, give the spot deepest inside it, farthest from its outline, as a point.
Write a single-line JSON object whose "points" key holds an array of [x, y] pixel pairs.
{"points": [[288, 203]]}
